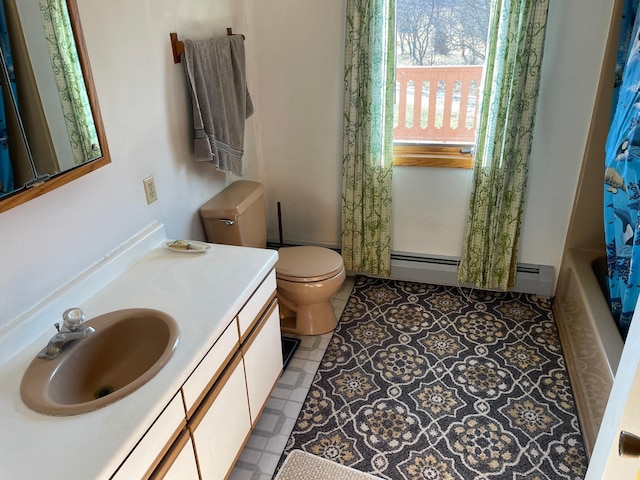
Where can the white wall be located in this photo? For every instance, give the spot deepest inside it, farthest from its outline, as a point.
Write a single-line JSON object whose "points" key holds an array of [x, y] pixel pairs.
{"points": [[299, 87], [145, 107], [293, 142], [299, 57], [576, 39]]}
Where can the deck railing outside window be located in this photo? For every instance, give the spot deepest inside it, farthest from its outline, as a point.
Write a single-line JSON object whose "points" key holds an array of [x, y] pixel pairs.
{"points": [[436, 104]]}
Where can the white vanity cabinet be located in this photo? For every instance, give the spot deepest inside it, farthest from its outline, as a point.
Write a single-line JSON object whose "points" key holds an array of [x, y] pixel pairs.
{"points": [[221, 423], [229, 353], [202, 431]]}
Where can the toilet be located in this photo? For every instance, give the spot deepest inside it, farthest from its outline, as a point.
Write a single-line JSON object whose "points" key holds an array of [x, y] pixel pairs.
{"points": [[307, 276]]}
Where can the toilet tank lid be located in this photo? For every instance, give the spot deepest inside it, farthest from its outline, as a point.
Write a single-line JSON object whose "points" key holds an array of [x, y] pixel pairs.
{"points": [[233, 200], [308, 263]]}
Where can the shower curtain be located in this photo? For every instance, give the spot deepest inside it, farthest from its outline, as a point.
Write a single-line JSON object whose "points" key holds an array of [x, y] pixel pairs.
{"points": [[6, 169], [622, 192], [70, 81], [629, 9]]}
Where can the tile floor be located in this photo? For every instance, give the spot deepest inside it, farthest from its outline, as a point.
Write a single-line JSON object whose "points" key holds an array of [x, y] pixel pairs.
{"points": [[260, 456]]}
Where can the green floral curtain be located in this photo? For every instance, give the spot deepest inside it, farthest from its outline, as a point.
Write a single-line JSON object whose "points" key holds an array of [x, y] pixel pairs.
{"points": [[368, 136], [70, 81], [510, 93]]}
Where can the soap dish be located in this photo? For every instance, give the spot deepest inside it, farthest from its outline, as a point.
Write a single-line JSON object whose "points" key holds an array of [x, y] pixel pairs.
{"points": [[187, 246]]}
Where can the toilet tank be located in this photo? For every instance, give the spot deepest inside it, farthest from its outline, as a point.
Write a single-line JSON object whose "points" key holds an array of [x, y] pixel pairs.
{"points": [[236, 216]]}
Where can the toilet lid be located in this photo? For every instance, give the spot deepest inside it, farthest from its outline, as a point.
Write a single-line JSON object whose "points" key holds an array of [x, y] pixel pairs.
{"points": [[307, 264]]}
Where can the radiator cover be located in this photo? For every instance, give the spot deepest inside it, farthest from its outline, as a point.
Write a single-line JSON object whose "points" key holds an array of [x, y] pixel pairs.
{"points": [[442, 270]]}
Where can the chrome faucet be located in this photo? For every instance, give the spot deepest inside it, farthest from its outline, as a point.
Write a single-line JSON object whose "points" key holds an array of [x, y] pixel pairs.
{"points": [[72, 329]]}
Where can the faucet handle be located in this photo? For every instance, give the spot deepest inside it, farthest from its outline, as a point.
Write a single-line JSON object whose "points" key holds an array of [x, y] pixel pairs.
{"points": [[72, 318]]}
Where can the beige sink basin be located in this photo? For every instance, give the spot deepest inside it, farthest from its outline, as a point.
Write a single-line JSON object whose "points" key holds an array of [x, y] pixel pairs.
{"points": [[128, 348]]}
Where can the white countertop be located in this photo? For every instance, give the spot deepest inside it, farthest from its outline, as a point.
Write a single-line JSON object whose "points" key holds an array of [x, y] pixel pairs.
{"points": [[201, 291]]}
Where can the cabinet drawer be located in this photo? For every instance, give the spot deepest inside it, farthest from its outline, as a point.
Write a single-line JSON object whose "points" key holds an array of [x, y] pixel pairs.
{"points": [[155, 443], [210, 368], [256, 304]]}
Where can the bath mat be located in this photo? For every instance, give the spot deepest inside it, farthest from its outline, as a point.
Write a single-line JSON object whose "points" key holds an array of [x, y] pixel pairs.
{"points": [[301, 465], [428, 381], [289, 346]]}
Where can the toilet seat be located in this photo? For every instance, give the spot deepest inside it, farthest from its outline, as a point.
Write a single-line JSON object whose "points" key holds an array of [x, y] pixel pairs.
{"points": [[307, 264]]}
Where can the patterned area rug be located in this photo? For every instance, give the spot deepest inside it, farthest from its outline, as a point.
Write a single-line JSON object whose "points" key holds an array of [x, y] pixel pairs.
{"points": [[430, 382]]}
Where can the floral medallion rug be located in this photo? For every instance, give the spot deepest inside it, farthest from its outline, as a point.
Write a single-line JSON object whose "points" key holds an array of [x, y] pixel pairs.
{"points": [[431, 382]]}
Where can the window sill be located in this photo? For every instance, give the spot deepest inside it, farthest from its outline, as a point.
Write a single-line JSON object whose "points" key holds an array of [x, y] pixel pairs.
{"points": [[431, 156]]}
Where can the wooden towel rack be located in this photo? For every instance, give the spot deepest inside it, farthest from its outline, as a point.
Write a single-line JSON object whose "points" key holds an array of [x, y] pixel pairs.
{"points": [[177, 46]]}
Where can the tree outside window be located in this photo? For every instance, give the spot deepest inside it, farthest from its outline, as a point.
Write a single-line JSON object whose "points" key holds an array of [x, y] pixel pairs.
{"points": [[440, 54]]}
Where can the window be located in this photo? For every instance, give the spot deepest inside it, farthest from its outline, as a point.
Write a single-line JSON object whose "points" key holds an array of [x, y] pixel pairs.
{"points": [[440, 53]]}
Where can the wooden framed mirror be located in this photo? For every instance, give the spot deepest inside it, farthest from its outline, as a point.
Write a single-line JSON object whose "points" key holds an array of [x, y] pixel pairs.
{"points": [[54, 128]]}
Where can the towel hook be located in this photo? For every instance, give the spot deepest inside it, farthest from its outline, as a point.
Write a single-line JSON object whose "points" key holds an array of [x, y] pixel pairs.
{"points": [[177, 46]]}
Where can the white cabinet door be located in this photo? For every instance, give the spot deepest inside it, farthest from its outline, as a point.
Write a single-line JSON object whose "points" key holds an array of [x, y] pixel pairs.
{"points": [[180, 462], [263, 361], [184, 467], [221, 424]]}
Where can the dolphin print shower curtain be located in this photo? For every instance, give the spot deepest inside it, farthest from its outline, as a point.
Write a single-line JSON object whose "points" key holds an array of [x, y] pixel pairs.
{"points": [[6, 169], [622, 188]]}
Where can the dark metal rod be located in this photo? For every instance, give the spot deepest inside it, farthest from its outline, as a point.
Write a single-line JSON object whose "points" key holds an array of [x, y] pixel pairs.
{"points": [[280, 223]]}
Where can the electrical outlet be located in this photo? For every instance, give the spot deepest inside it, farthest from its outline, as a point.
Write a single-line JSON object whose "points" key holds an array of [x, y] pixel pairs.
{"points": [[150, 189]]}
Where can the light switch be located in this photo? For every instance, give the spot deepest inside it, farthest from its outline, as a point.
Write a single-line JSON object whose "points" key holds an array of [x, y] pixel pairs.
{"points": [[150, 189]]}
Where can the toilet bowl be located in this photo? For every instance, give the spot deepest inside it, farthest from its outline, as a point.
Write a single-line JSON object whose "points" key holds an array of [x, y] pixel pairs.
{"points": [[307, 277]]}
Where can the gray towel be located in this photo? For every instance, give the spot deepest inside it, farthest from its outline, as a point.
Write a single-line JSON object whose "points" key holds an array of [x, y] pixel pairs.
{"points": [[220, 98]]}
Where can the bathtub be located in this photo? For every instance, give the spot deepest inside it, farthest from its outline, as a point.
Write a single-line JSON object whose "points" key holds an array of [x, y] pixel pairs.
{"points": [[590, 338]]}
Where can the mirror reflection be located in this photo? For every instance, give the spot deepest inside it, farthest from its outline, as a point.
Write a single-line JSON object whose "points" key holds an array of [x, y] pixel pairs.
{"points": [[47, 124]]}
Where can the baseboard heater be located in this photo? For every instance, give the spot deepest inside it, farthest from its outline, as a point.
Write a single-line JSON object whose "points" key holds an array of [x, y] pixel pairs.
{"points": [[443, 270]]}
